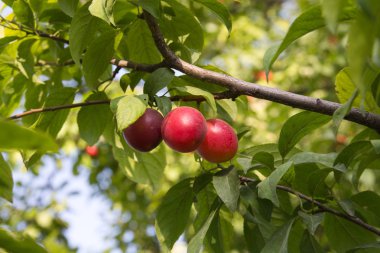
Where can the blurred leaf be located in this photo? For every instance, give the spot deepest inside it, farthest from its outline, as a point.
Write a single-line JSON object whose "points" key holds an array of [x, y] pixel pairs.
{"points": [[6, 180], [226, 184], [307, 22], [279, 240], [195, 244], [23, 13], [103, 9], [264, 158], [376, 145], [157, 80], [312, 221], [97, 57], [375, 245], [140, 44], [199, 92], [297, 127], [331, 11], [164, 104], [367, 203], [13, 136], [12, 242], [309, 244], [220, 10], [128, 109], [151, 6], [92, 120], [174, 210], [267, 188], [69, 7], [52, 122], [344, 235], [253, 238]]}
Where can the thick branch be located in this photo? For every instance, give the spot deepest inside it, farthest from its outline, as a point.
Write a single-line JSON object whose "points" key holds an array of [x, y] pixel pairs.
{"points": [[322, 206], [254, 90]]}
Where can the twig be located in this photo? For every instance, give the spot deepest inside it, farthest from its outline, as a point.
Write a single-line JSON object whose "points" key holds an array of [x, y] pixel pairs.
{"points": [[323, 207], [223, 95], [371, 120]]}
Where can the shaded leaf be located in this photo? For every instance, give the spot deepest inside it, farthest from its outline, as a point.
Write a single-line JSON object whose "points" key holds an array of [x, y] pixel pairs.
{"points": [[164, 104], [69, 7], [298, 126], [279, 241], [23, 13], [226, 184], [174, 210], [157, 80], [342, 111], [310, 157], [195, 244], [92, 120], [309, 244], [312, 221], [151, 6], [6, 180], [267, 188]]}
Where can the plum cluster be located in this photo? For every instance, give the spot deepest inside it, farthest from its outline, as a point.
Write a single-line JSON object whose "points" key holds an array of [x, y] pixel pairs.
{"points": [[184, 129]]}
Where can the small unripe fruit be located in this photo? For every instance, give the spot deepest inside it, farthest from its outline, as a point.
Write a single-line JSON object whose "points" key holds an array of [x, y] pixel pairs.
{"points": [[220, 144], [92, 151], [183, 129], [145, 133]]}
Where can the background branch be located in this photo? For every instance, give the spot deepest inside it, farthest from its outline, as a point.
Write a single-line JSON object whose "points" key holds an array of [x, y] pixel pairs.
{"points": [[323, 207]]}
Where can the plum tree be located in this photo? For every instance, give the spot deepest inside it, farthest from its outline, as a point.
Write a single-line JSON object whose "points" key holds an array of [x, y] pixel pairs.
{"points": [[145, 133], [220, 143], [183, 129]]}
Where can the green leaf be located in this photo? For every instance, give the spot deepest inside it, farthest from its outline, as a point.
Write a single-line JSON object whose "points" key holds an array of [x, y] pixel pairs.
{"points": [[264, 158], [351, 153], [342, 111], [199, 92], [69, 7], [367, 203], [227, 184], [182, 26], [279, 241], [267, 188], [344, 235], [12, 242], [331, 11], [6, 180], [298, 126], [195, 244], [375, 245], [140, 44], [150, 167], [53, 121], [92, 120], [376, 145], [311, 221], [97, 57], [309, 244], [103, 9], [307, 22], [220, 10], [345, 90], [128, 109], [227, 109], [81, 32], [23, 13], [13, 136], [151, 6], [310, 157], [174, 211], [164, 104], [158, 80]]}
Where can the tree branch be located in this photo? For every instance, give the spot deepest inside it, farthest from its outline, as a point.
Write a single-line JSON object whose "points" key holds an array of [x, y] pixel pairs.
{"points": [[322, 206], [368, 119], [222, 95]]}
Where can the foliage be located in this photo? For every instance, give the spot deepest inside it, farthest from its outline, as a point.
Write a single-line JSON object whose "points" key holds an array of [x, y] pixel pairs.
{"points": [[302, 181]]}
